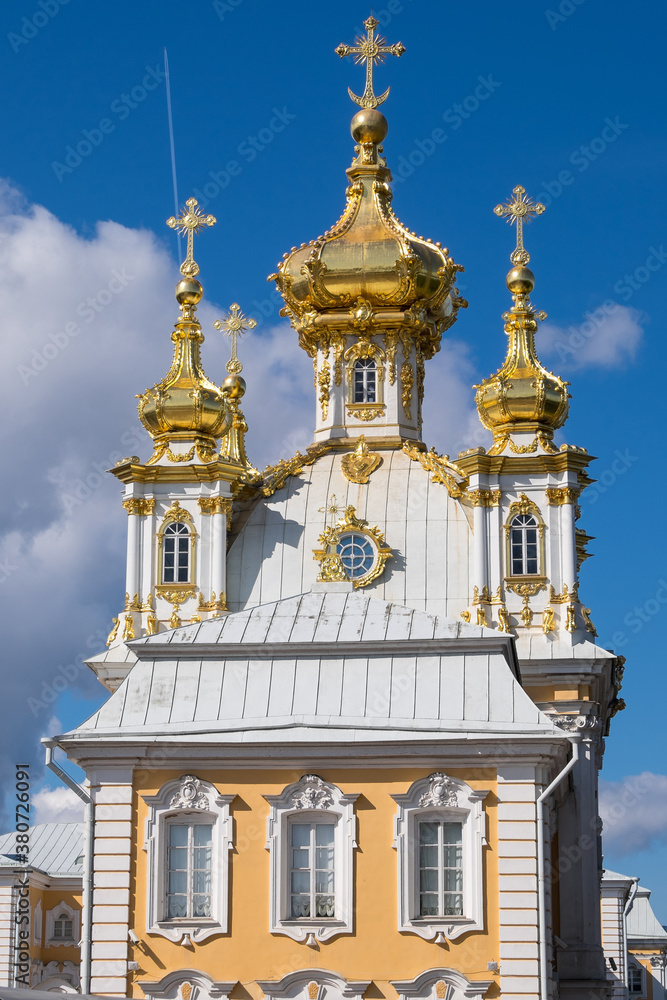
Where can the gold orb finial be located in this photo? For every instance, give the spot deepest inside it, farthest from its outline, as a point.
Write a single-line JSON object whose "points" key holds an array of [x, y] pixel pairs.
{"points": [[369, 125]]}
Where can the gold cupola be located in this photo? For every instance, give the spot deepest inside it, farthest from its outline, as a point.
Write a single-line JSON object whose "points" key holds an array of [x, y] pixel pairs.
{"points": [[186, 409], [369, 278], [523, 403]]}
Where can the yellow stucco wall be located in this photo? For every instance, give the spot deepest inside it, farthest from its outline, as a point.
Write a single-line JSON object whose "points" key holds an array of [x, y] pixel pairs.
{"points": [[50, 898], [374, 951]]}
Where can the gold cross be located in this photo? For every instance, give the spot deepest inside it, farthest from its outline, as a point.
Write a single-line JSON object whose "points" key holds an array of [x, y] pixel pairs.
{"points": [[191, 221], [370, 50], [331, 509], [235, 324], [519, 209]]}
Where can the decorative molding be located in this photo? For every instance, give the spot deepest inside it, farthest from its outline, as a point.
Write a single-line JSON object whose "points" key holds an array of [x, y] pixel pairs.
{"points": [[187, 796], [190, 794], [331, 564], [504, 621], [299, 986], [366, 411], [559, 495], [586, 615], [358, 466], [216, 505], [441, 984], [295, 803], [140, 506], [275, 476], [213, 605], [177, 513], [72, 913], [442, 791], [115, 624], [524, 506], [311, 792], [443, 471], [407, 382], [576, 723], [324, 382], [565, 596], [186, 984], [461, 803], [548, 620], [484, 498]]}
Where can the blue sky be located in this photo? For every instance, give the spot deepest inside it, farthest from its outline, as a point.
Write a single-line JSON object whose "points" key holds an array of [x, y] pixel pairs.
{"points": [[566, 99]]}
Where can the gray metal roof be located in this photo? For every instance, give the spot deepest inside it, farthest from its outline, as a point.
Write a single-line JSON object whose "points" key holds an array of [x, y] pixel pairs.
{"points": [[642, 922], [54, 848]]}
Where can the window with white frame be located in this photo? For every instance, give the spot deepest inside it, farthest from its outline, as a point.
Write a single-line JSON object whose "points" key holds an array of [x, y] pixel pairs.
{"points": [[176, 541], [311, 839], [439, 837], [524, 545], [189, 837], [189, 855], [62, 925], [364, 387]]}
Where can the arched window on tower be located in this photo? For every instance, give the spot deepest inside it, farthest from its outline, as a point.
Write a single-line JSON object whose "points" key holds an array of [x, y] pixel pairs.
{"points": [[524, 545], [364, 389], [176, 562]]}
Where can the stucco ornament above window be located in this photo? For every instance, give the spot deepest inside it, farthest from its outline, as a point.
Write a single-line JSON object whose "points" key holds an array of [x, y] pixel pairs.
{"points": [[442, 791], [191, 794], [312, 793]]}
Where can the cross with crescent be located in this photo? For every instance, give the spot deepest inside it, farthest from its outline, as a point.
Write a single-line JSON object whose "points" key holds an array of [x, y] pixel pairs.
{"points": [[234, 324], [519, 209], [191, 221], [370, 50]]}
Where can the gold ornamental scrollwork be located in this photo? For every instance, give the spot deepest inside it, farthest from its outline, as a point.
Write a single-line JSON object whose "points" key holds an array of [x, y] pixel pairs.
{"points": [[115, 622], [565, 596], [177, 513], [548, 620], [331, 564], [140, 506], [466, 617], [324, 382], [484, 498], [407, 382], [217, 505], [557, 496], [213, 605], [504, 622], [586, 615], [275, 476], [443, 471], [358, 466], [366, 411]]}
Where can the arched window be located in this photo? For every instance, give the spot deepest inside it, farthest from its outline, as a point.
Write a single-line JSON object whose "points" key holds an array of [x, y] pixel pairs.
{"points": [[357, 553], [176, 553], [524, 545], [364, 389], [62, 927]]}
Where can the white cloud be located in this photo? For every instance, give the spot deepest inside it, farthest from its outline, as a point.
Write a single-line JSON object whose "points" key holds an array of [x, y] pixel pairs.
{"points": [[56, 805], [609, 337], [634, 813]]}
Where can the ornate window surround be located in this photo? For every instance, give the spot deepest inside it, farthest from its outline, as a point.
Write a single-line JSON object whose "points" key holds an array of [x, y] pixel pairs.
{"points": [[441, 984], [439, 796], [176, 514], [187, 798], [313, 984], [311, 798], [52, 915], [331, 536], [365, 349], [171, 986], [524, 505]]}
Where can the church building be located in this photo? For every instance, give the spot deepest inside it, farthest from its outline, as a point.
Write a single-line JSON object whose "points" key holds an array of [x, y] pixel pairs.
{"points": [[357, 710]]}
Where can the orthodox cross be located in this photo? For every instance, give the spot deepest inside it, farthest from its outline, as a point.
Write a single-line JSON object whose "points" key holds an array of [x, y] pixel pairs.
{"points": [[330, 510], [234, 324], [519, 209], [191, 221], [370, 50]]}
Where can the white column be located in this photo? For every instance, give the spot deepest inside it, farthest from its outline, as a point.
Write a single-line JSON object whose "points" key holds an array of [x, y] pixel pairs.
{"points": [[480, 560], [569, 543], [218, 554], [132, 570]]}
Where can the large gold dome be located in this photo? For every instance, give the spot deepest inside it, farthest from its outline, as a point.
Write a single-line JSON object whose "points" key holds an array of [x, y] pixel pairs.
{"points": [[369, 268]]}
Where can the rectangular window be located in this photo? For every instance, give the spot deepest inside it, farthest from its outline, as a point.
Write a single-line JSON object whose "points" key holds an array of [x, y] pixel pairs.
{"points": [[635, 981], [440, 869], [312, 892], [189, 870]]}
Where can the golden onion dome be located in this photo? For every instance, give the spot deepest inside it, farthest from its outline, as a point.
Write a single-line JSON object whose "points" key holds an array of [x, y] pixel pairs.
{"points": [[185, 405], [522, 396], [369, 269]]}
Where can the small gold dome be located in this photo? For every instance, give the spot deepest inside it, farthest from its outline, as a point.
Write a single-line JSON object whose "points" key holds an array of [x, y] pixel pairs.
{"points": [[185, 404], [522, 395], [234, 386]]}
